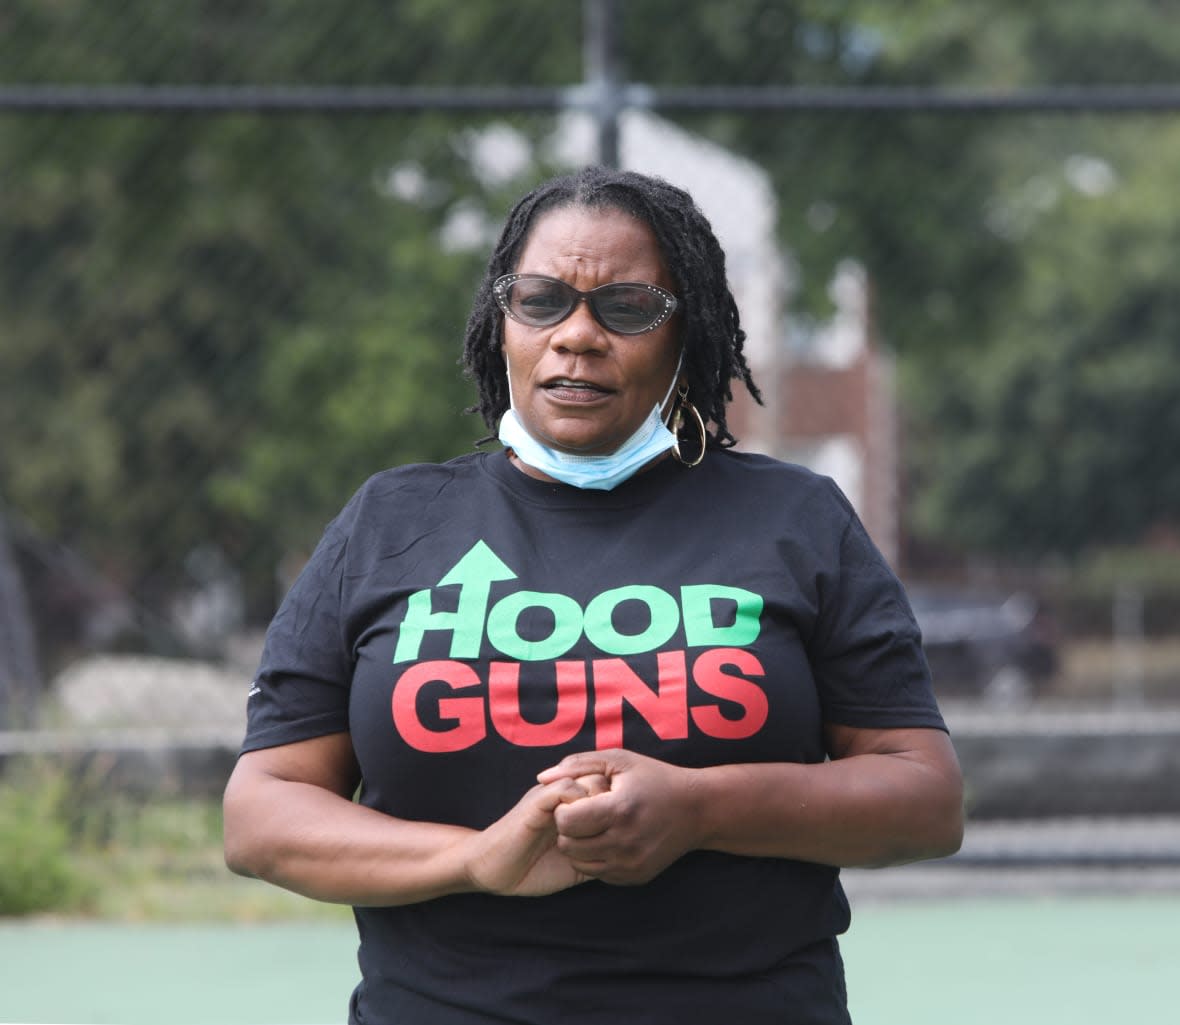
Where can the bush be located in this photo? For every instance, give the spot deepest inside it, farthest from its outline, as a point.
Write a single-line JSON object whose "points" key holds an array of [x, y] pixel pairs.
{"points": [[36, 869]]}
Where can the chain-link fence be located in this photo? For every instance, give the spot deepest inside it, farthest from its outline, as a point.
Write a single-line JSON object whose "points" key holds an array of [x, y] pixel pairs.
{"points": [[238, 243]]}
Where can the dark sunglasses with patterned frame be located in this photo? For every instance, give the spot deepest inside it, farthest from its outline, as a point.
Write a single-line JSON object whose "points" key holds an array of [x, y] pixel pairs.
{"points": [[622, 307]]}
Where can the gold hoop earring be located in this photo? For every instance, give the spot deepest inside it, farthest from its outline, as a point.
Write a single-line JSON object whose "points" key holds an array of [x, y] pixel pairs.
{"points": [[681, 405]]}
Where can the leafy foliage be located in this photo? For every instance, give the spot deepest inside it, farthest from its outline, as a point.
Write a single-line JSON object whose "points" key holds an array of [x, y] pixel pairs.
{"points": [[1068, 424], [212, 328], [36, 870], [215, 324]]}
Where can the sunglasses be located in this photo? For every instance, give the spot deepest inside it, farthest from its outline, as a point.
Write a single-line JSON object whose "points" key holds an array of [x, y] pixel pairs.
{"points": [[622, 307]]}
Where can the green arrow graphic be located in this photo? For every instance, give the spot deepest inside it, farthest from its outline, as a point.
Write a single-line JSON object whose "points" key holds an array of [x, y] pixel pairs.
{"points": [[474, 574]]}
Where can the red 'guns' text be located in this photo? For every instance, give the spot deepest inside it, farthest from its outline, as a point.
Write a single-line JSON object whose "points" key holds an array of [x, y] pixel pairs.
{"points": [[461, 706]]}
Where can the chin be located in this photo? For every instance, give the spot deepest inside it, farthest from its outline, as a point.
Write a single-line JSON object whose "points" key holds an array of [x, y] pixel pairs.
{"points": [[593, 447], [580, 436], [580, 444]]}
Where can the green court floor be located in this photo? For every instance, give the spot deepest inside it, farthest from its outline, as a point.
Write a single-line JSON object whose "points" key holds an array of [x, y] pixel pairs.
{"points": [[1015, 961]]}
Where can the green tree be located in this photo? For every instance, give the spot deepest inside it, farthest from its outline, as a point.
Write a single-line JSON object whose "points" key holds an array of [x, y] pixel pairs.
{"points": [[163, 278], [134, 331], [213, 327], [380, 388], [1048, 432], [1062, 436]]}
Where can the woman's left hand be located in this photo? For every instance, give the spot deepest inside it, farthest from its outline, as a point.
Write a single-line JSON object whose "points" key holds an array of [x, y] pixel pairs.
{"points": [[641, 817]]}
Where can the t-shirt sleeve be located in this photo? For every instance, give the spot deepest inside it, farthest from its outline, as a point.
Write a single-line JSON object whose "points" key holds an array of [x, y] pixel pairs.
{"points": [[867, 652], [301, 690]]}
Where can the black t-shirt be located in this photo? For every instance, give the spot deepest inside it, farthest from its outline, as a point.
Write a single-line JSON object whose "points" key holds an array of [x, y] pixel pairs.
{"points": [[470, 626]]}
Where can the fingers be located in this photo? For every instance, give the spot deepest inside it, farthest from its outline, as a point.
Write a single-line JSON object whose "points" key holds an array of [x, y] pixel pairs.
{"points": [[584, 818], [546, 804], [547, 797], [594, 784], [517, 854], [586, 763], [608, 858], [622, 817]]}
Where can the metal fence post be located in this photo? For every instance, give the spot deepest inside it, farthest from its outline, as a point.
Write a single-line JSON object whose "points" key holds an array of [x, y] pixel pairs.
{"points": [[19, 679], [600, 53]]}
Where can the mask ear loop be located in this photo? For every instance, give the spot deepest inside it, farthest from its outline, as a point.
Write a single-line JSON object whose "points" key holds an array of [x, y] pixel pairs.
{"points": [[682, 404]]}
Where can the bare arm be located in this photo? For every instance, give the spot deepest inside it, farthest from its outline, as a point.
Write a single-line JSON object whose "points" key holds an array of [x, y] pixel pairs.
{"points": [[885, 797], [290, 819]]}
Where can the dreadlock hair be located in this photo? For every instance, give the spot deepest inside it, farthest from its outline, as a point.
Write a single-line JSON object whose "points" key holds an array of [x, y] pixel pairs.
{"points": [[710, 331]]}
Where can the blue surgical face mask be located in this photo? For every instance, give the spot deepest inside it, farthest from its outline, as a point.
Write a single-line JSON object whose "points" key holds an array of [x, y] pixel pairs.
{"points": [[598, 472]]}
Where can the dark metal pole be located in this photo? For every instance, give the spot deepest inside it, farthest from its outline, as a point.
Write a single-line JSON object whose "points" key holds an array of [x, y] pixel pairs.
{"points": [[20, 686], [600, 55]]}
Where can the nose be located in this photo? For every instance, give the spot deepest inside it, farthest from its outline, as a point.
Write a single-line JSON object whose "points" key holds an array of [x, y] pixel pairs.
{"points": [[580, 331]]}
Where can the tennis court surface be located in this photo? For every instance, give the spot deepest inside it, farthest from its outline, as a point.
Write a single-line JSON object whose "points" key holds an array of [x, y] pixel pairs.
{"points": [[1019, 960]]}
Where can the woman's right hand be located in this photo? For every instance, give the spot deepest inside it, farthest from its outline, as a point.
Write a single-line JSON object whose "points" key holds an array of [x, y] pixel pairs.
{"points": [[517, 855]]}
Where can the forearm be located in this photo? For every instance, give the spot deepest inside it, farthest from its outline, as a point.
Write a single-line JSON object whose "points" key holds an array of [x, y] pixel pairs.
{"points": [[324, 846], [863, 810]]}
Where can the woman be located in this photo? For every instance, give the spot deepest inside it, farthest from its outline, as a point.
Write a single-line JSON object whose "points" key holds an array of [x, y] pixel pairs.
{"points": [[618, 704]]}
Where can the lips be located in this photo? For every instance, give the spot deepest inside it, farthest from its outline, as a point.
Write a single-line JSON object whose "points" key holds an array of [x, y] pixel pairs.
{"points": [[571, 389]]}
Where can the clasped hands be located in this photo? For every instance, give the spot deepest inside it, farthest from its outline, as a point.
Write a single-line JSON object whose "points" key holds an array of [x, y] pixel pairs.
{"points": [[613, 815]]}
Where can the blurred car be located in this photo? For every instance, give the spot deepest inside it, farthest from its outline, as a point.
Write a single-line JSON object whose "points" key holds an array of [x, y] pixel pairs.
{"points": [[999, 647]]}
